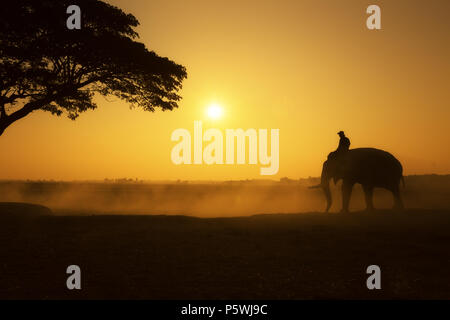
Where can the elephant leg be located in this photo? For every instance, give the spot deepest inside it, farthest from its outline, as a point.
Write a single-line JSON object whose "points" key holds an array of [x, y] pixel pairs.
{"points": [[398, 202], [368, 193], [346, 194]]}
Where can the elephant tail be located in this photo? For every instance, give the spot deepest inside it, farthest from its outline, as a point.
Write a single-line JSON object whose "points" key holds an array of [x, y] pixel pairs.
{"points": [[403, 182]]}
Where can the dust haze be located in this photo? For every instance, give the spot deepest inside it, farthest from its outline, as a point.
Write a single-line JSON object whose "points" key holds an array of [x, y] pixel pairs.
{"points": [[212, 199]]}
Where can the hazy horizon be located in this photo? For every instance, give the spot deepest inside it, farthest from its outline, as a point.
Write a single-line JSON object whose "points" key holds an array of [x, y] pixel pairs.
{"points": [[212, 198], [260, 179]]}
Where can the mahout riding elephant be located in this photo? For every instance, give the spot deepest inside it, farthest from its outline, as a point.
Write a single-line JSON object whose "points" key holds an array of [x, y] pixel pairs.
{"points": [[368, 166]]}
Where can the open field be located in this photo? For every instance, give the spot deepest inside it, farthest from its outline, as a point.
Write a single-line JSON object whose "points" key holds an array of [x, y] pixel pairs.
{"points": [[284, 256], [199, 247]]}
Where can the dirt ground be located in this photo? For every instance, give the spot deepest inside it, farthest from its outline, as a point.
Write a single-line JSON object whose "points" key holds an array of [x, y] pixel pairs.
{"points": [[277, 256]]}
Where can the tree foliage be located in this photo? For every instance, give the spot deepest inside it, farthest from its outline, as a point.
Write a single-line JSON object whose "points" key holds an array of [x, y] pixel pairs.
{"points": [[45, 66]]}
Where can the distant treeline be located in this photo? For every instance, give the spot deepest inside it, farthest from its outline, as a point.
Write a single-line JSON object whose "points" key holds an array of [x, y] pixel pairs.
{"points": [[431, 179]]}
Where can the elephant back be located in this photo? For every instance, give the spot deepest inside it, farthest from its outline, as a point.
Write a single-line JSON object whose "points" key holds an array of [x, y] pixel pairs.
{"points": [[375, 165]]}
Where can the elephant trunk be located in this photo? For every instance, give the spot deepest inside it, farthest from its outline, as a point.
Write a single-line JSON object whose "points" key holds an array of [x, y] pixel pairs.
{"points": [[327, 192], [325, 184]]}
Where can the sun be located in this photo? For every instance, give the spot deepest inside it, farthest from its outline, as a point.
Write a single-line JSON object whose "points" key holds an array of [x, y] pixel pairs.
{"points": [[215, 111]]}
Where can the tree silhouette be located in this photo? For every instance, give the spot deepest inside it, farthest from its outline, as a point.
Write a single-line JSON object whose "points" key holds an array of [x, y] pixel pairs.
{"points": [[45, 66]]}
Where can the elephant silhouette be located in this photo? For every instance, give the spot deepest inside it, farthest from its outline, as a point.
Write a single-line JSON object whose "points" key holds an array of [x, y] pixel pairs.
{"points": [[368, 166]]}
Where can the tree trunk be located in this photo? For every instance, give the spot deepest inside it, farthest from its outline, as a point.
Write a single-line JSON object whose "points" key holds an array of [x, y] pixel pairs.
{"points": [[6, 120]]}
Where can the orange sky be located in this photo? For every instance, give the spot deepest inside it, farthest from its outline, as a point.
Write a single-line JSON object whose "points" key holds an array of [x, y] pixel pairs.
{"points": [[308, 68]]}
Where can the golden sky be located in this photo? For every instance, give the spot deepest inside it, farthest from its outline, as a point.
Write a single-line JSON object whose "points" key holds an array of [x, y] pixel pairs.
{"points": [[309, 68]]}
